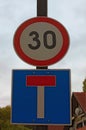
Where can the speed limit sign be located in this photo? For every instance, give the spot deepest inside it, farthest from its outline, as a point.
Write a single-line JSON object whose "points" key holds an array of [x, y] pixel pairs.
{"points": [[41, 41]]}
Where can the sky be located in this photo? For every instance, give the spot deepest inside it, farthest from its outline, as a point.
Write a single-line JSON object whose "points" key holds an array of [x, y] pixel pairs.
{"points": [[71, 13]]}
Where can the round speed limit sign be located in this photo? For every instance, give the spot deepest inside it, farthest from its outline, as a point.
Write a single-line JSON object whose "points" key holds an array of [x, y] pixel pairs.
{"points": [[41, 41]]}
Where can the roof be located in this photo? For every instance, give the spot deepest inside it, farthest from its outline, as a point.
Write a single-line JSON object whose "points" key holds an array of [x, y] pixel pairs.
{"points": [[81, 99], [83, 128]]}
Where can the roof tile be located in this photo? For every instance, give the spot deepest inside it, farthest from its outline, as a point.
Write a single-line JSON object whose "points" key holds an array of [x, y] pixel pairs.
{"points": [[81, 98]]}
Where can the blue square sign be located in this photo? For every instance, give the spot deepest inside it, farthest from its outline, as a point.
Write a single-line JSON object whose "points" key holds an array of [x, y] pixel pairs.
{"points": [[41, 97]]}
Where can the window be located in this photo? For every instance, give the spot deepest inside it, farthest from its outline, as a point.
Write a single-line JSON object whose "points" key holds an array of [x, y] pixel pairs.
{"points": [[85, 122], [79, 125]]}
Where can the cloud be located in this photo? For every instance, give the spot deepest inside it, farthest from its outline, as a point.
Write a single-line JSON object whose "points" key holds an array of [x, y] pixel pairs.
{"points": [[70, 13]]}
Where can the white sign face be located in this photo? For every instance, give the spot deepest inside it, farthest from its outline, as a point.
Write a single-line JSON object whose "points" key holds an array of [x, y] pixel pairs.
{"points": [[41, 41]]}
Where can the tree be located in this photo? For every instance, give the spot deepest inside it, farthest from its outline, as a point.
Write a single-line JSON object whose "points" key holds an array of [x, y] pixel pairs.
{"points": [[5, 120], [84, 85]]}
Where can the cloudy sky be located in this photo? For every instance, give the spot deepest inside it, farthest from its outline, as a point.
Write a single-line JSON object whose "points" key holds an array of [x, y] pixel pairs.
{"points": [[71, 13]]}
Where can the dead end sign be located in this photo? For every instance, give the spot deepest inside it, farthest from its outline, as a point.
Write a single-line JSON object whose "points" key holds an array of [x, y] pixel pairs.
{"points": [[57, 108], [41, 41]]}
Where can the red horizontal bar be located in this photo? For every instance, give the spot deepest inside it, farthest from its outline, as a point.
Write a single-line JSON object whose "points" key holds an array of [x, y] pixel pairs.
{"points": [[41, 80]]}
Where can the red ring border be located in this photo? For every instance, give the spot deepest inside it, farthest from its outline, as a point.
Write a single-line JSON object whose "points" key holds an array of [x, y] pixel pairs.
{"points": [[31, 61]]}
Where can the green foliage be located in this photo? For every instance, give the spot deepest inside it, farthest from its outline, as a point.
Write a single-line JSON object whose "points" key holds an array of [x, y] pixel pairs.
{"points": [[84, 85], [5, 113], [5, 120]]}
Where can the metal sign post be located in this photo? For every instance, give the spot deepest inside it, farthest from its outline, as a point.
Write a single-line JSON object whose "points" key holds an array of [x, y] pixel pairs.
{"points": [[41, 11], [41, 7]]}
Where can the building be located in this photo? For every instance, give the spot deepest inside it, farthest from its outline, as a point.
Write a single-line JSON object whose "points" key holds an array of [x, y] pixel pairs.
{"points": [[55, 127], [78, 113]]}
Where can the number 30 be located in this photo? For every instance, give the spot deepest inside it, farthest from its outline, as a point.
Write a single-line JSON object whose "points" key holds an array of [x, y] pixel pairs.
{"points": [[45, 40]]}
